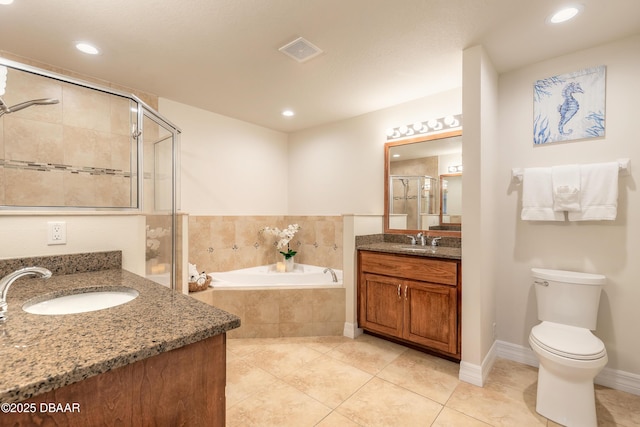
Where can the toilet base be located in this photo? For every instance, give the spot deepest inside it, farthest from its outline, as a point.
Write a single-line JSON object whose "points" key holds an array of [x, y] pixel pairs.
{"points": [[569, 402]]}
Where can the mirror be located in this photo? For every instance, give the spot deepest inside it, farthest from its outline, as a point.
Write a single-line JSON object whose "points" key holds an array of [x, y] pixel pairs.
{"points": [[423, 185]]}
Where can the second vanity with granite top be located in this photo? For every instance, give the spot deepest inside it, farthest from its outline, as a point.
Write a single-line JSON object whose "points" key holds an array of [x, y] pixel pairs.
{"points": [[411, 293], [160, 357]]}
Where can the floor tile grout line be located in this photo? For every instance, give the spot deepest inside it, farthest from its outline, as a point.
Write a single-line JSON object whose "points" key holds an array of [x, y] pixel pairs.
{"points": [[327, 348]]}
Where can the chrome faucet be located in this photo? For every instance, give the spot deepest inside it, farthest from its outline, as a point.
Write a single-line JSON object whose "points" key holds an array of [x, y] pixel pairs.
{"points": [[333, 274], [435, 240], [417, 238], [8, 280]]}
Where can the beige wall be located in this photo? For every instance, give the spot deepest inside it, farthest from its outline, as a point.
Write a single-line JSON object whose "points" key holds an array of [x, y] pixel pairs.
{"points": [[480, 224], [339, 168], [229, 167], [25, 235], [606, 247]]}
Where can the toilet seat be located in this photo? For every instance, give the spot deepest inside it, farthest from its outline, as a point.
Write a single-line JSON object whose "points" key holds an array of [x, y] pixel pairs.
{"points": [[568, 341]]}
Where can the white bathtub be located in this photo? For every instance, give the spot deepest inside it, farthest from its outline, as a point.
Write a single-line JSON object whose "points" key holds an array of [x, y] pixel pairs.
{"points": [[265, 276]]}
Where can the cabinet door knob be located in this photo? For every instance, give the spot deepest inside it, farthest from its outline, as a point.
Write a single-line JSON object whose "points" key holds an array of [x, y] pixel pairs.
{"points": [[406, 291], [399, 291]]}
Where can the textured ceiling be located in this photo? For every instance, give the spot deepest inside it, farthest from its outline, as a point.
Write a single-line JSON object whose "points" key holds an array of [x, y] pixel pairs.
{"points": [[222, 55]]}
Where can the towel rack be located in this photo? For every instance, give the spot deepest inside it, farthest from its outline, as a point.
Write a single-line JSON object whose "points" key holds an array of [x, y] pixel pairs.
{"points": [[624, 168]]}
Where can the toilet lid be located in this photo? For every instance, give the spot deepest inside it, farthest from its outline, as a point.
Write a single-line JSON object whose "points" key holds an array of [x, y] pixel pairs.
{"points": [[568, 341]]}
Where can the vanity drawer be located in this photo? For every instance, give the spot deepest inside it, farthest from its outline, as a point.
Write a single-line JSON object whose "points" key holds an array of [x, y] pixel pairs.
{"points": [[410, 267]]}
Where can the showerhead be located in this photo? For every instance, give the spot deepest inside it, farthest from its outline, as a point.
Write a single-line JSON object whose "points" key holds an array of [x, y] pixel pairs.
{"points": [[4, 109]]}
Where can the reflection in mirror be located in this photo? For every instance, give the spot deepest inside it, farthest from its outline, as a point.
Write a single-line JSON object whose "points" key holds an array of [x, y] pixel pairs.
{"points": [[451, 199], [413, 201], [416, 197]]}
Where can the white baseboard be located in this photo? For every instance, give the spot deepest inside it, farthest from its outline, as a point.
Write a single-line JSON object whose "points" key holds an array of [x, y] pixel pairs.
{"points": [[619, 380], [477, 374], [612, 378], [351, 330], [516, 352]]}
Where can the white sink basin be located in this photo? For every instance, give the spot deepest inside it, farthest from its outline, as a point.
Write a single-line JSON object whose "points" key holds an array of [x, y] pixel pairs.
{"points": [[82, 302], [413, 248]]}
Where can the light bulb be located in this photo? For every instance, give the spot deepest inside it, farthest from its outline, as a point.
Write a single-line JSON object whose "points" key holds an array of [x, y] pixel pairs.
{"points": [[87, 48], [564, 15]]}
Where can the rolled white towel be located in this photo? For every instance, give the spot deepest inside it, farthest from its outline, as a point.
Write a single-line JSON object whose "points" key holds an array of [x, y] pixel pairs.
{"points": [[566, 188]]}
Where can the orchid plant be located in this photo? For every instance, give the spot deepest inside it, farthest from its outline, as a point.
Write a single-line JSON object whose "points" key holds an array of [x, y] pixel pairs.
{"points": [[284, 237]]}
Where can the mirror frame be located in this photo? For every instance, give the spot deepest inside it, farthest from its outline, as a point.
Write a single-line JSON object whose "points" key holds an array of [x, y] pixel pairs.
{"points": [[387, 147]]}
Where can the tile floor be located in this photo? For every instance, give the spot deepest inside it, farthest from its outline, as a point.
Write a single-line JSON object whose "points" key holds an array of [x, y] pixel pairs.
{"points": [[337, 381]]}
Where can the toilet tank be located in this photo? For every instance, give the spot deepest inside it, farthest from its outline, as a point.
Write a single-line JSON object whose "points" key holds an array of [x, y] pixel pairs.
{"points": [[568, 297]]}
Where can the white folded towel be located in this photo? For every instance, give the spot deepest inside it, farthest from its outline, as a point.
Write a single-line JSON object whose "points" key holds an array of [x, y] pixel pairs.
{"points": [[537, 196], [566, 188], [598, 192]]}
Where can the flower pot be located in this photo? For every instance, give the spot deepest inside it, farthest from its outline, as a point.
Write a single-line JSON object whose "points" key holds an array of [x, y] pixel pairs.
{"points": [[288, 264]]}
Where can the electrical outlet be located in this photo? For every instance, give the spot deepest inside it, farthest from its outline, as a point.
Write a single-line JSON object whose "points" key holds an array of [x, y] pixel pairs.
{"points": [[56, 233]]}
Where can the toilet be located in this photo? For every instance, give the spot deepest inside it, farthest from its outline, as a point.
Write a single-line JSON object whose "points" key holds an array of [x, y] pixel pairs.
{"points": [[570, 355]]}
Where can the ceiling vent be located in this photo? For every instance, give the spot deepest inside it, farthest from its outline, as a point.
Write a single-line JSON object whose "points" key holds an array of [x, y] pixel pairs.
{"points": [[301, 50]]}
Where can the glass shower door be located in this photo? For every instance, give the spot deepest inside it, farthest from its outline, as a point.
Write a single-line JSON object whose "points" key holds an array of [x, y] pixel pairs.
{"points": [[160, 199]]}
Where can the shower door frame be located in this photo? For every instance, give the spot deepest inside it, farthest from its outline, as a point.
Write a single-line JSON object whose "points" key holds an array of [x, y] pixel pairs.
{"points": [[137, 133]]}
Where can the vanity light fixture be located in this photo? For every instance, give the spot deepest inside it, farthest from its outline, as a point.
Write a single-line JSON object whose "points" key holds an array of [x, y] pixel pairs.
{"points": [[565, 14], [288, 113], [446, 123], [87, 48]]}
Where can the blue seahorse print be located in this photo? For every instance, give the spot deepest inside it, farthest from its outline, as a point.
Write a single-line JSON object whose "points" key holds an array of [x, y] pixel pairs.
{"points": [[569, 107]]}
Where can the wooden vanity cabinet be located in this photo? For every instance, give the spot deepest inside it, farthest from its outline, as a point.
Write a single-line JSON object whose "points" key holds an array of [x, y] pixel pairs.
{"points": [[412, 299]]}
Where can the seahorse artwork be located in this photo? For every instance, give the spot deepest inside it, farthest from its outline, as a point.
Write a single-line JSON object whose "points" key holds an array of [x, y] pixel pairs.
{"points": [[569, 107]]}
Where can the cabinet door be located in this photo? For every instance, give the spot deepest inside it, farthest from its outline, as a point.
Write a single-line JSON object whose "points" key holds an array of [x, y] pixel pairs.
{"points": [[430, 315], [381, 304]]}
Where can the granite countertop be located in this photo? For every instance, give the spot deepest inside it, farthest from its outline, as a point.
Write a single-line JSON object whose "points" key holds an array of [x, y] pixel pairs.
{"points": [[405, 249], [40, 353], [450, 248]]}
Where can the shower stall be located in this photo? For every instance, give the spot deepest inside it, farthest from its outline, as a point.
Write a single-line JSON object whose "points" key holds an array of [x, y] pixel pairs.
{"points": [[413, 201], [72, 147]]}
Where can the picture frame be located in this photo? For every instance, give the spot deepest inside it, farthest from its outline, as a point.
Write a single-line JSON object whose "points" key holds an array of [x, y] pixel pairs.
{"points": [[570, 106]]}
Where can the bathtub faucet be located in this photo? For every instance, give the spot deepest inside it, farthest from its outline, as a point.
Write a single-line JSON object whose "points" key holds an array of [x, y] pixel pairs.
{"points": [[333, 274], [8, 280]]}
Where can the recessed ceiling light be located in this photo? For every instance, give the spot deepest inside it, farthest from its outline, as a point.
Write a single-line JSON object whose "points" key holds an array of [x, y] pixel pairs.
{"points": [[6, 1], [565, 14], [288, 113], [87, 48]]}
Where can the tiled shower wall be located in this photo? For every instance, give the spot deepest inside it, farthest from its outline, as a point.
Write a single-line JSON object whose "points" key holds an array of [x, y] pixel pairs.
{"points": [[74, 153], [222, 243]]}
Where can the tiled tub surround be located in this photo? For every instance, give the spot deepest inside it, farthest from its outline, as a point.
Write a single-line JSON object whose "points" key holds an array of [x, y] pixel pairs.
{"points": [[223, 243], [272, 313], [54, 351]]}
